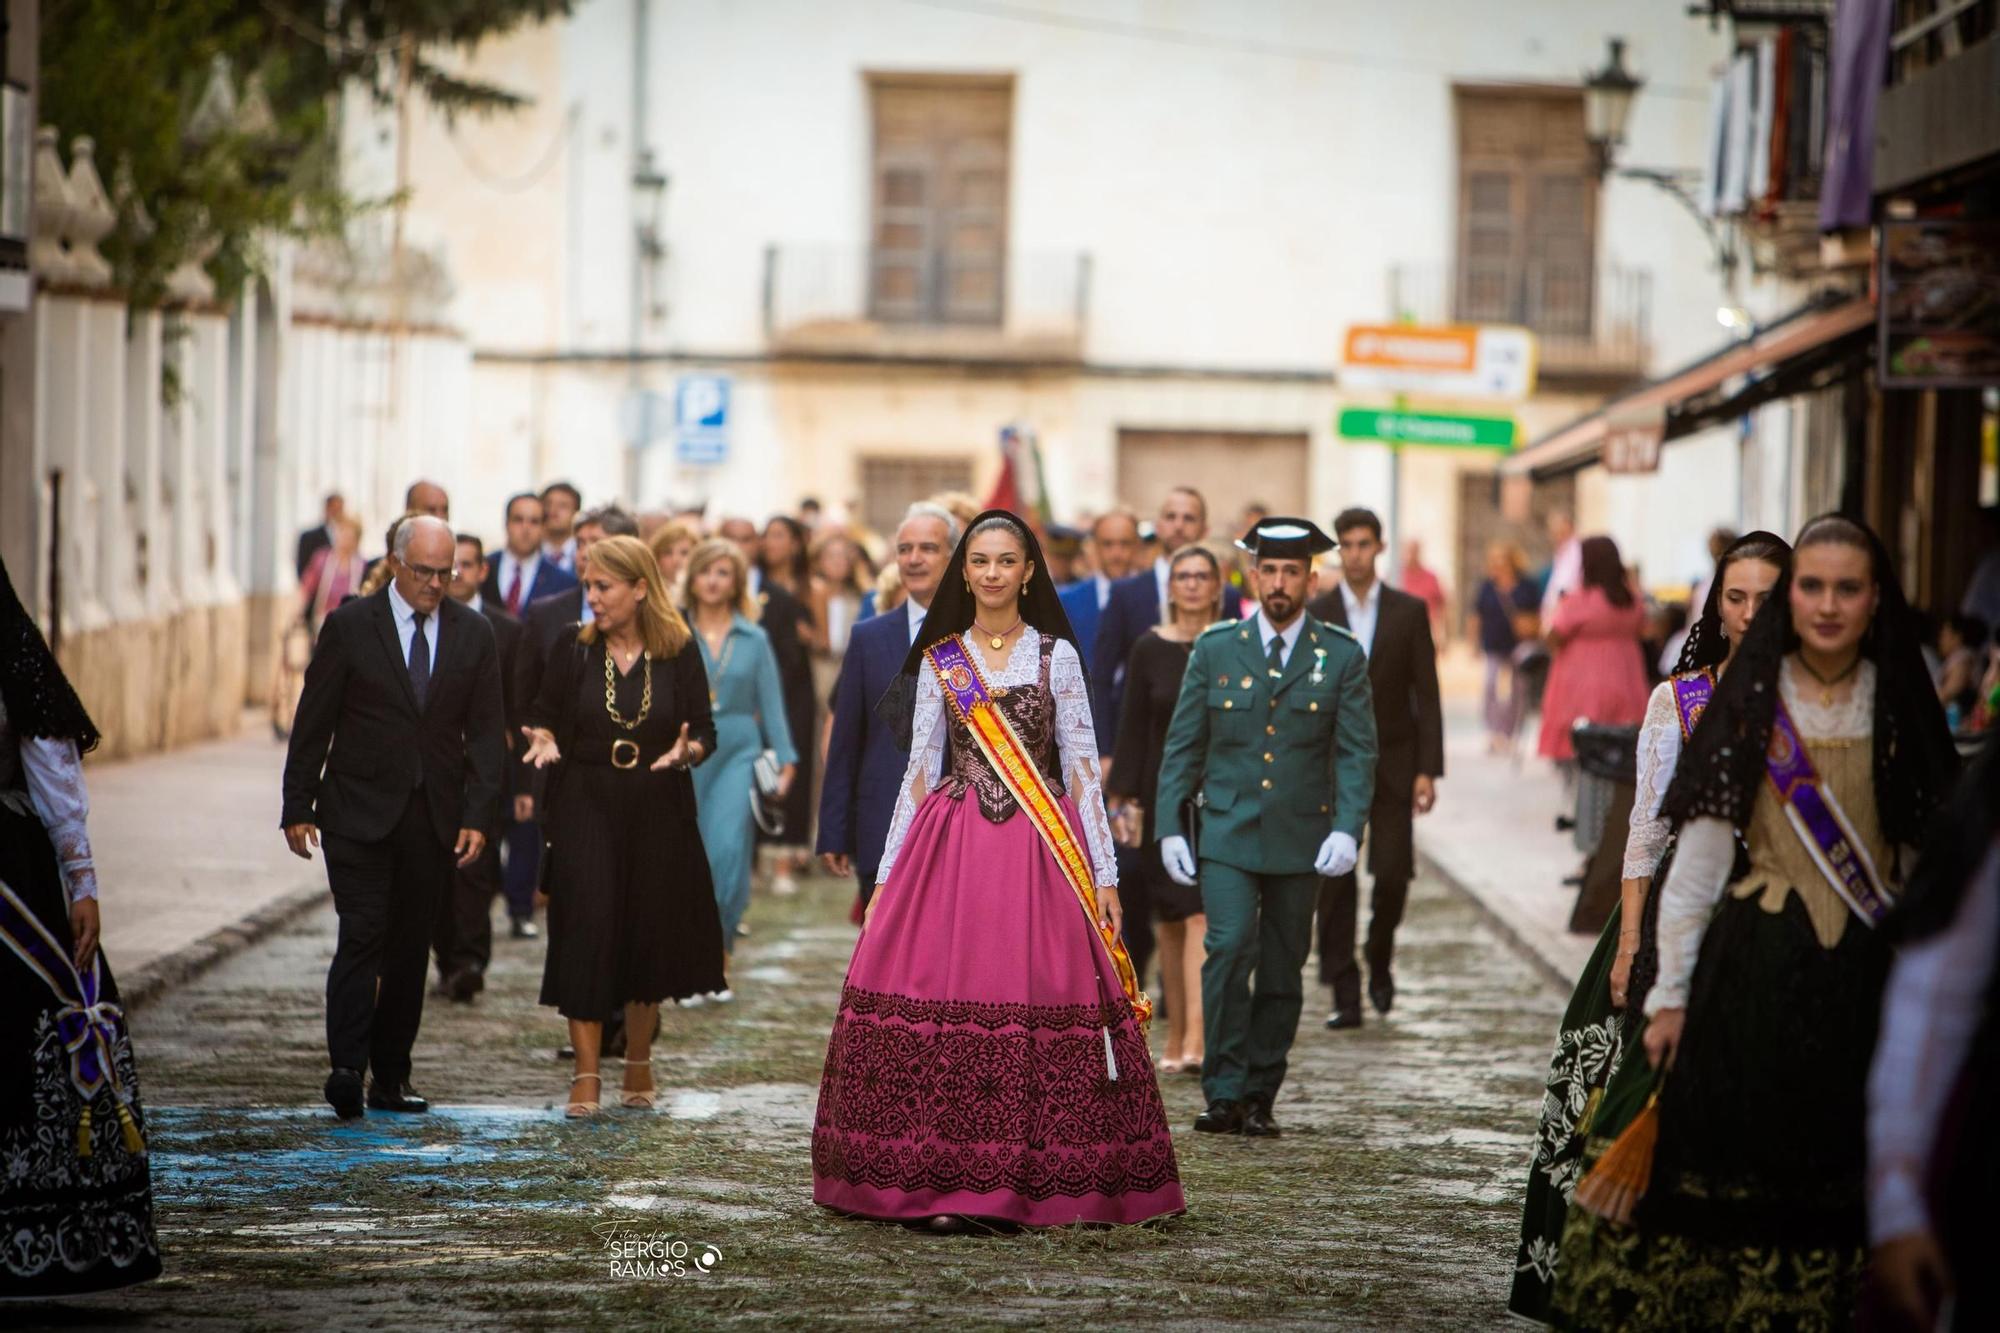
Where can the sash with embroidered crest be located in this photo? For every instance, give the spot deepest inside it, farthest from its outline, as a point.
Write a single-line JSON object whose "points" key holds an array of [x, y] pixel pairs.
{"points": [[1814, 814], [91, 1028], [966, 692], [1691, 695]]}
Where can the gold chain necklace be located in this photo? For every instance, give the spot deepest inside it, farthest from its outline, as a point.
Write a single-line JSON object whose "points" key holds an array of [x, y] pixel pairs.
{"points": [[998, 641], [611, 691]]}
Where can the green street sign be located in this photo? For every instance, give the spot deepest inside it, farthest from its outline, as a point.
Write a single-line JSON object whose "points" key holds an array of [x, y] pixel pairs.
{"points": [[1439, 428]]}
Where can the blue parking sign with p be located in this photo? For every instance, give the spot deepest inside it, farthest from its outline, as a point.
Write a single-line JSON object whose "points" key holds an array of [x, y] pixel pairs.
{"points": [[701, 418]]}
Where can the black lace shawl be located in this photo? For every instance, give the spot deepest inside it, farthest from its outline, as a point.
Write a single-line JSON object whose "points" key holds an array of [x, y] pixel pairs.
{"points": [[1706, 646], [38, 696], [1915, 763], [951, 612]]}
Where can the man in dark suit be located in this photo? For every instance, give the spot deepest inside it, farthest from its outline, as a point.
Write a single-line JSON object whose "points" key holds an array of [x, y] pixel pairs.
{"points": [[546, 619], [1114, 542], [395, 762], [864, 764], [1394, 629], [524, 574], [1134, 607], [463, 940], [314, 540]]}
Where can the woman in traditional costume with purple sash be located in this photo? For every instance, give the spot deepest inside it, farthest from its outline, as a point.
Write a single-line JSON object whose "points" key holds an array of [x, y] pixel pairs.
{"points": [[1736, 1198], [76, 1198], [1602, 1021], [989, 1059]]}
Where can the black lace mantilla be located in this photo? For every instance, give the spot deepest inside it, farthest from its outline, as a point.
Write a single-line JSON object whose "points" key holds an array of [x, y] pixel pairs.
{"points": [[954, 1095]]}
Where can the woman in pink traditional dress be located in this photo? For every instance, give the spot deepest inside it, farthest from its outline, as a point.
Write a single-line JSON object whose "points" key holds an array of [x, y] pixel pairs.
{"points": [[989, 1059]]}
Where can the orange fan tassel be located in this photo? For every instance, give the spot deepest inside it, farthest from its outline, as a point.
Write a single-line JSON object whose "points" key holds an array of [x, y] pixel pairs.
{"points": [[1612, 1188]]}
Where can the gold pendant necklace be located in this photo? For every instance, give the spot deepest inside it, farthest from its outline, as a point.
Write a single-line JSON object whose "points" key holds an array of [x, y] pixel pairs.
{"points": [[1826, 685], [998, 641]]}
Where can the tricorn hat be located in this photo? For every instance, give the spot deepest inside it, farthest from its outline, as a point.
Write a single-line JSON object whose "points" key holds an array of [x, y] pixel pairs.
{"points": [[1285, 539]]}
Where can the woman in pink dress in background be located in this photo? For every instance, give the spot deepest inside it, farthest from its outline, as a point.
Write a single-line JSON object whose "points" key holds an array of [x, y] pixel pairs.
{"points": [[1598, 674], [989, 1061]]}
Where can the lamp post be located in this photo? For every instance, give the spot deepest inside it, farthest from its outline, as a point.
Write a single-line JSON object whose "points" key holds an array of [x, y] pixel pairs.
{"points": [[1608, 93]]}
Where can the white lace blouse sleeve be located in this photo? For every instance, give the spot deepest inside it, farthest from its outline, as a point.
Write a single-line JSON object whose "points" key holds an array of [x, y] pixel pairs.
{"points": [[926, 765], [1931, 1011], [1659, 755], [1702, 863], [55, 787], [1076, 745]]}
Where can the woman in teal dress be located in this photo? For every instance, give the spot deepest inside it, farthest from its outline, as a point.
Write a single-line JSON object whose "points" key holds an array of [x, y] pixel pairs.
{"points": [[749, 707], [1602, 1021]]}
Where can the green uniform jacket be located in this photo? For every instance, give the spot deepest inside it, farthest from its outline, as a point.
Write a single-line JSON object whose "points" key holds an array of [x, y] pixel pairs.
{"points": [[1278, 764]]}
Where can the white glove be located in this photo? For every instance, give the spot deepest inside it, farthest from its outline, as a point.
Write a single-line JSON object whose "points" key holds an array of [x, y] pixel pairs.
{"points": [[1337, 854], [1179, 860]]}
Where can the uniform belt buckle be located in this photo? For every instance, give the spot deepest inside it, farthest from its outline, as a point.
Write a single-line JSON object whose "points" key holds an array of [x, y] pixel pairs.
{"points": [[624, 754]]}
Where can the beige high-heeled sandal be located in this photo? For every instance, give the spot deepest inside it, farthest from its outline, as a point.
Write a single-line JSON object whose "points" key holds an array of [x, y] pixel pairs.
{"points": [[637, 1100], [577, 1110]]}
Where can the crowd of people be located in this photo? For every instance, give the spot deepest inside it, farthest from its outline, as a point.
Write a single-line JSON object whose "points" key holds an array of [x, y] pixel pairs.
{"points": [[1049, 774]]}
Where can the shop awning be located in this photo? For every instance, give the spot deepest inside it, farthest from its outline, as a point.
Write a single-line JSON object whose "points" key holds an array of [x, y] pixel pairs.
{"points": [[1797, 350]]}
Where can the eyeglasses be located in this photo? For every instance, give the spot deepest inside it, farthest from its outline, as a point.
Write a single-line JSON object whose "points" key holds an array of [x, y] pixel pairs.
{"points": [[1194, 576], [431, 573]]}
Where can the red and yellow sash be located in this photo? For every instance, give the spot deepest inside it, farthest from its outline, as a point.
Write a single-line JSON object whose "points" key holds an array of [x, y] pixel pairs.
{"points": [[972, 702]]}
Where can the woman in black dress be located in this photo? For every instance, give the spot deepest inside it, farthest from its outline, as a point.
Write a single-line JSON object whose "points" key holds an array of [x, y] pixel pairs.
{"points": [[1152, 684], [784, 572], [624, 710], [76, 1200]]}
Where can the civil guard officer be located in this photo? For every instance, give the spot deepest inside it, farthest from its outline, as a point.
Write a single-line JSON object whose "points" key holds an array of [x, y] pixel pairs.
{"points": [[1273, 741]]}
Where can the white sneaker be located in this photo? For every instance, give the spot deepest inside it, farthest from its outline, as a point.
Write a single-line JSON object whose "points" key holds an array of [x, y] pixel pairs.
{"points": [[784, 886], [723, 996], [692, 1001]]}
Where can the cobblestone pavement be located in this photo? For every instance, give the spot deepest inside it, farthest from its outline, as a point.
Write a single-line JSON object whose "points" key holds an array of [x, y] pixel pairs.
{"points": [[1391, 1202]]}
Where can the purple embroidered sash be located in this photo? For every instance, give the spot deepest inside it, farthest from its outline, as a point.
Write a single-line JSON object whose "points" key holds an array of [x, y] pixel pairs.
{"points": [[90, 1028], [1691, 695], [1821, 824]]}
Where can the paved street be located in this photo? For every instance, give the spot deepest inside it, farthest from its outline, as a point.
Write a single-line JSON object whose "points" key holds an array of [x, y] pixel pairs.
{"points": [[1390, 1202]]}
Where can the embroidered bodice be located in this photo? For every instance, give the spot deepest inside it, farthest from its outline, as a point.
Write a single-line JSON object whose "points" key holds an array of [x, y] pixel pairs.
{"points": [[44, 778], [1839, 740], [1048, 702]]}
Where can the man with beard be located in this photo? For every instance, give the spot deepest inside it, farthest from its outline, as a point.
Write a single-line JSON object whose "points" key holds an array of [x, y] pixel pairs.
{"points": [[1273, 737]]}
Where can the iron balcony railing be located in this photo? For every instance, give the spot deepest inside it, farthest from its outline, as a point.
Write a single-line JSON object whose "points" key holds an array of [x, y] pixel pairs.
{"points": [[1588, 319], [867, 299]]}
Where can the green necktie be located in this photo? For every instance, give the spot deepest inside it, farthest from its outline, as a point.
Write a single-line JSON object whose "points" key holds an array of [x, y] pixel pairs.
{"points": [[1277, 658]]}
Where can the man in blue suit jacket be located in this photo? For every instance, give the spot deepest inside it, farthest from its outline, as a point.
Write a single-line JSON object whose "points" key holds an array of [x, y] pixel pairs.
{"points": [[1114, 542], [1134, 607], [523, 573], [864, 764]]}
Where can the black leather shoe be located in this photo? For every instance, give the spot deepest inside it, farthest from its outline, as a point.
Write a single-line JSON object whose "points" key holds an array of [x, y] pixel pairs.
{"points": [[343, 1093], [1257, 1120], [465, 983], [1381, 991], [525, 928], [1222, 1117], [397, 1097], [1344, 1018]]}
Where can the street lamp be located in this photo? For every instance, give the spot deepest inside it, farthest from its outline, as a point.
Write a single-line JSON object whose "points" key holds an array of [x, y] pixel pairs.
{"points": [[1607, 102], [1607, 106]]}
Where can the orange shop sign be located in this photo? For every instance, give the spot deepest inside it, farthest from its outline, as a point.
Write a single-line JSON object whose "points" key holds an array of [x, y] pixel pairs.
{"points": [[1461, 360]]}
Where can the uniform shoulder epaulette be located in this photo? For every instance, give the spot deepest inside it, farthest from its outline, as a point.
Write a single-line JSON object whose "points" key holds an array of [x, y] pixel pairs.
{"points": [[1220, 627], [1339, 629]]}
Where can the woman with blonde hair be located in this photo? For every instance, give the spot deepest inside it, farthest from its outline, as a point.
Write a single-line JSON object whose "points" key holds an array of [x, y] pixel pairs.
{"points": [[671, 542], [623, 714], [1152, 686], [749, 713]]}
